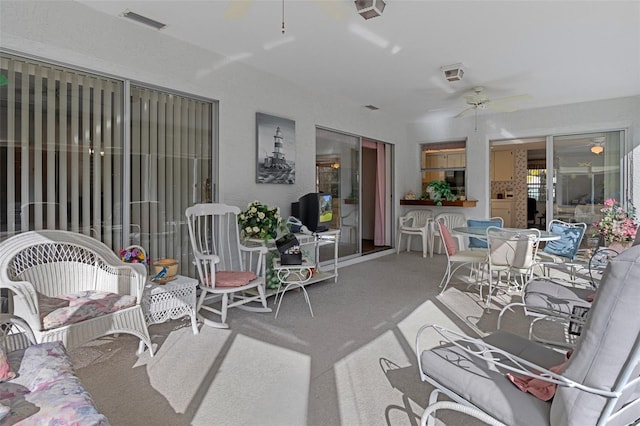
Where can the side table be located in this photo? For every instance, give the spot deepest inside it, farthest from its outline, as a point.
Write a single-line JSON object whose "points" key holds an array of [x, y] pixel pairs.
{"points": [[173, 300], [292, 276]]}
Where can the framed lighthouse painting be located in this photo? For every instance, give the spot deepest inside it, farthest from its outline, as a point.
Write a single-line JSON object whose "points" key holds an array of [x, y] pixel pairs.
{"points": [[276, 156]]}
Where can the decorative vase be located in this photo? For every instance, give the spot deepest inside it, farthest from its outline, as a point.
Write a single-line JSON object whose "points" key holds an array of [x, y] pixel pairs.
{"points": [[619, 246]]}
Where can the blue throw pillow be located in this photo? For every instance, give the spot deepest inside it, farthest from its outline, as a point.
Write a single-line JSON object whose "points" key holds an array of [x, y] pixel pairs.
{"points": [[569, 243], [477, 242]]}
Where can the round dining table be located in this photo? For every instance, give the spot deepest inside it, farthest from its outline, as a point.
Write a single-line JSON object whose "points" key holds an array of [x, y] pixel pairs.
{"points": [[481, 232]]}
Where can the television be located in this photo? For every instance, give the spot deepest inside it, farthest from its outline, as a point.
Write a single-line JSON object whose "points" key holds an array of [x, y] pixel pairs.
{"points": [[316, 211]]}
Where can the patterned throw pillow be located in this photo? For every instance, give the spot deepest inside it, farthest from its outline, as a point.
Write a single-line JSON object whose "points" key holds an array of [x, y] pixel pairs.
{"points": [[5, 368]]}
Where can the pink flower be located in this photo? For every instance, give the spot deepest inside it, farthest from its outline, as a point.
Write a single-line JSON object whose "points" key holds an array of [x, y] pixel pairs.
{"points": [[609, 202]]}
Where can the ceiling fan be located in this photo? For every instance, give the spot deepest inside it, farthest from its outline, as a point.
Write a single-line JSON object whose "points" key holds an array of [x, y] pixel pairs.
{"points": [[480, 100]]}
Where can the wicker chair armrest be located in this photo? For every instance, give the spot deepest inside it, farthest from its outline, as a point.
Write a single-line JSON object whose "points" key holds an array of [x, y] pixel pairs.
{"points": [[491, 355], [138, 274], [15, 333], [26, 291]]}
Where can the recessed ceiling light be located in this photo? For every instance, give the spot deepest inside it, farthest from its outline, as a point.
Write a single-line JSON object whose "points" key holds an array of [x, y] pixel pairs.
{"points": [[143, 20]]}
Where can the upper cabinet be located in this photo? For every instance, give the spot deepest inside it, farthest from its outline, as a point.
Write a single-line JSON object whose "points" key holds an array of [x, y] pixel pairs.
{"points": [[444, 160], [502, 165]]}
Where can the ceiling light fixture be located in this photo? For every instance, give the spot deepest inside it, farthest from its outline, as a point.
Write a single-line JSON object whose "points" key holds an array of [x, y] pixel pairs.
{"points": [[143, 20], [453, 72], [370, 8], [597, 147]]}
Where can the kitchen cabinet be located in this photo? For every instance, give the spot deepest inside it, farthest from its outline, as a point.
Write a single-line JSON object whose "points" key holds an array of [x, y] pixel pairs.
{"points": [[504, 209], [502, 165], [442, 160]]}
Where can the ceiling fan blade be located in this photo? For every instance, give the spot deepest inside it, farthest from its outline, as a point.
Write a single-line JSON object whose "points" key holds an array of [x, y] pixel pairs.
{"points": [[502, 108], [334, 8], [465, 112], [237, 9], [512, 98]]}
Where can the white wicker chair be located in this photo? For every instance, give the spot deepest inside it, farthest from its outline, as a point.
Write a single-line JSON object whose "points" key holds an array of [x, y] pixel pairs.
{"points": [[39, 264]]}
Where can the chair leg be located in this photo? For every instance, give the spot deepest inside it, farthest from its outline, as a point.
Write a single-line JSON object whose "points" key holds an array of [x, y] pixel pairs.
{"points": [[431, 244], [399, 242], [409, 242], [447, 277], [425, 243]]}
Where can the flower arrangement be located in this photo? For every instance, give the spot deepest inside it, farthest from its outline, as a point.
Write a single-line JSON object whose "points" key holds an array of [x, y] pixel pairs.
{"points": [[260, 221], [617, 224], [134, 254]]}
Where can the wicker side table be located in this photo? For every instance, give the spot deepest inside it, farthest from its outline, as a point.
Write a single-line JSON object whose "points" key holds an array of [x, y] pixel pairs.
{"points": [[172, 300]]}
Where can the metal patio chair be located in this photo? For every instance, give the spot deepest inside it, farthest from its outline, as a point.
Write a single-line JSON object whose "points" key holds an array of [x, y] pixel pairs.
{"points": [[599, 383]]}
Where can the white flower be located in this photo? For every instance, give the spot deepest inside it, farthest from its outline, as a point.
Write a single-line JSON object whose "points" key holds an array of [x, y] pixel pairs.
{"points": [[247, 229], [261, 215], [253, 210], [256, 229]]}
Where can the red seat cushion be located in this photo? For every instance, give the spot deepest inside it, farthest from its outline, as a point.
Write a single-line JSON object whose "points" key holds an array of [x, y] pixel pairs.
{"points": [[234, 278]]}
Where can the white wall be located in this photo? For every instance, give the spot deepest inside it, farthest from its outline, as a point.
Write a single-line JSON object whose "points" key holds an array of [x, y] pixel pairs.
{"points": [[621, 113], [77, 35]]}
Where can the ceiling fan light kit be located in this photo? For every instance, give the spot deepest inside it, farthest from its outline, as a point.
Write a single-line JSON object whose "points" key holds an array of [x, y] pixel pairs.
{"points": [[370, 8]]}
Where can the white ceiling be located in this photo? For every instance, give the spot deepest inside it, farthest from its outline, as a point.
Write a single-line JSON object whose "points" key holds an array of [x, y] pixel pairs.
{"points": [[559, 52]]}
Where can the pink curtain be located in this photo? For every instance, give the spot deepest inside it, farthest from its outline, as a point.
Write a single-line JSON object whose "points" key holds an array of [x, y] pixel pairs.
{"points": [[379, 213]]}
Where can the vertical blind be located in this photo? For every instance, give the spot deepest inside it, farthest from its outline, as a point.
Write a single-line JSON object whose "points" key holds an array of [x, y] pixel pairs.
{"points": [[62, 150], [170, 169]]}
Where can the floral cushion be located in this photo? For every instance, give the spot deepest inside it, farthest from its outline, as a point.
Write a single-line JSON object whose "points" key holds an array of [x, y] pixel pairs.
{"points": [[84, 305], [47, 391], [5, 368]]}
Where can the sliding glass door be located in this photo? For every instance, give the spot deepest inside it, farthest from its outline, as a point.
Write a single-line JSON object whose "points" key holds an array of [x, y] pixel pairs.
{"points": [[587, 170], [338, 173], [61, 150], [70, 159]]}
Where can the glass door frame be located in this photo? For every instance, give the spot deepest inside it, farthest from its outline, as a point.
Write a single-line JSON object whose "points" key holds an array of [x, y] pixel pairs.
{"points": [[624, 167]]}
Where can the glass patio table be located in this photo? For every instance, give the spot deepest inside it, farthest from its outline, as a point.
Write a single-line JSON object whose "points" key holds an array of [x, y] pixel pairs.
{"points": [[480, 232]]}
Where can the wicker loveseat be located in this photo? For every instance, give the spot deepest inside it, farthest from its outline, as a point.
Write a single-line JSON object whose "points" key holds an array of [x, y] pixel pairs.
{"points": [[71, 287]]}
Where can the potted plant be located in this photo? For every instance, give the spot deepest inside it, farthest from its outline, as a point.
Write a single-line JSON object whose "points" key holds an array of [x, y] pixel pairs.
{"points": [[439, 190]]}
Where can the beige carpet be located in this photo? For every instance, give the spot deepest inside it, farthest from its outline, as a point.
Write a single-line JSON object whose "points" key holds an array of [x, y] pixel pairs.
{"points": [[352, 364]]}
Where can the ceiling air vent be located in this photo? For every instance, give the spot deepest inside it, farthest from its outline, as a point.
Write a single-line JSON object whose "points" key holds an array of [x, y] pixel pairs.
{"points": [[143, 20]]}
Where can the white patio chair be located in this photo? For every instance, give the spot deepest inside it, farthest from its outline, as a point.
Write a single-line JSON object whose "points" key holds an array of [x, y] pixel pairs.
{"points": [[231, 274], [597, 385], [71, 287], [415, 222], [561, 253], [451, 220], [455, 257], [512, 252]]}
